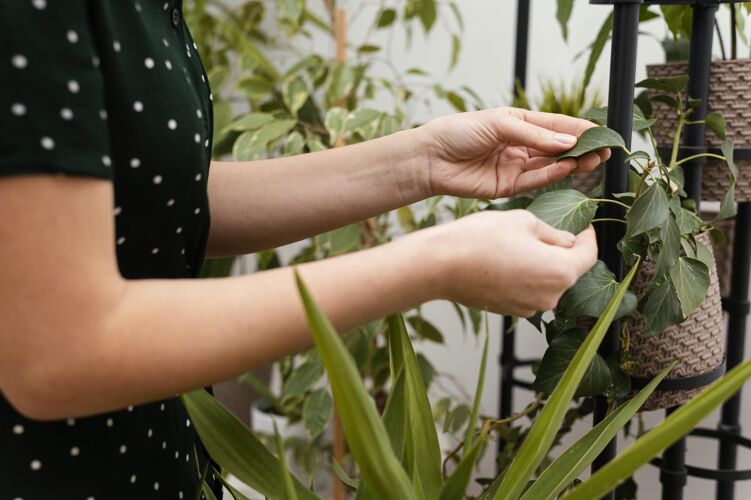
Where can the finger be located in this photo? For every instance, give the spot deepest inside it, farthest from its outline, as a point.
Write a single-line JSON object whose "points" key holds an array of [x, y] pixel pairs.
{"points": [[535, 178], [558, 122], [587, 163], [552, 236], [525, 134], [584, 251]]}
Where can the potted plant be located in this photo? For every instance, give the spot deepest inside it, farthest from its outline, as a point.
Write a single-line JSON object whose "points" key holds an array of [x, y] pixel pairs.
{"points": [[673, 309]]}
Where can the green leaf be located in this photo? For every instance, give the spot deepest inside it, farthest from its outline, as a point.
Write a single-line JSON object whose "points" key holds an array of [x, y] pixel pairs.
{"points": [[603, 35], [386, 18], [456, 485], [425, 329], [428, 14], [290, 492], [342, 82], [234, 447], [675, 426], [727, 206], [670, 249], [395, 415], [563, 14], [648, 211], [335, 122], [557, 358], [691, 280], [360, 118], [250, 121], [295, 93], [470, 434], [253, 143], [456, 47], [716, 123], [421, 446], [303, 377], [594, 139], [567, 209], [674, 84], [638, 155], [592, 293], [661, 308], [572, 462], [317, 411], [599, 115], [290, 9], [295, 143], [541, 436], [365, 433]]}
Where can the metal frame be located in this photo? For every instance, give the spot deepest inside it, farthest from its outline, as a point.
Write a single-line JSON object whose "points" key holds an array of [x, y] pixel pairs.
{"points": [[673, 470]]}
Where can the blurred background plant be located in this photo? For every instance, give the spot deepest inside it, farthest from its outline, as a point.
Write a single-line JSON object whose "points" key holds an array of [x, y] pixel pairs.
{"points": [[288, 78]]}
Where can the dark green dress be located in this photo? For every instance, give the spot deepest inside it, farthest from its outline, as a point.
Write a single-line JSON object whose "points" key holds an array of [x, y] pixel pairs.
{"points": [[109, 89]]}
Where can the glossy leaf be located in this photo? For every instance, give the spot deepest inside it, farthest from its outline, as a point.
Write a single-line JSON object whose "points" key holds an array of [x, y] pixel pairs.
{"points": [[594, 139], [572, 462], [421, 442], [365, 433], [670, 248], [648, 211], [639, 121], [661, 308], [235, 448], [541, 436], [691, 280], [675, 426], [567, 209], [557, 358], [592, 293]]}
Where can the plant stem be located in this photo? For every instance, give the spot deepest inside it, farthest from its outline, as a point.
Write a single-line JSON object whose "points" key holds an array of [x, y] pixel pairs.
{"points": [[677, 135], [607, 200], [607, 219], [654, 144], [693, 157]]}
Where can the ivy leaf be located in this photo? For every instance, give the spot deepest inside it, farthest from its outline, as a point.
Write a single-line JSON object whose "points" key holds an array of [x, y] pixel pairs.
{"points": [[592, 292], [727, 206], [691, 280], [648, 211], [661, 308], [716, 123], [639, 121], [558, 356], [567, 209], [594, 139], [670, 250], [316, 412], [674, 84]]}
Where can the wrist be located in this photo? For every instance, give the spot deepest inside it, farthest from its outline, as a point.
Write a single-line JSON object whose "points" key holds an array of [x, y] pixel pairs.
{"points": [[429, 261], [409, 164]]}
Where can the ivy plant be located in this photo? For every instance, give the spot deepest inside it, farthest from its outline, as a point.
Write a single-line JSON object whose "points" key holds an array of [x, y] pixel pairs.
{"points": [[661, 227]]}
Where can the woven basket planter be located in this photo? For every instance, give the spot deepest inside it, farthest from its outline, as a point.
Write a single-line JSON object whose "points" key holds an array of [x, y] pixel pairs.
{"points": [[698, 343], [729, 95], [724, 253]]}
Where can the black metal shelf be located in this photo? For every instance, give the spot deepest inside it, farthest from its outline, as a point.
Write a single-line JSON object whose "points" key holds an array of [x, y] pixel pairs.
{"points": [[673, 470]]}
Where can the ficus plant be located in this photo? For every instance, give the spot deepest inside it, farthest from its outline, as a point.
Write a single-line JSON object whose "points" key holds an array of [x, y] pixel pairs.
{"points": [[661, 227], [397, 451]]}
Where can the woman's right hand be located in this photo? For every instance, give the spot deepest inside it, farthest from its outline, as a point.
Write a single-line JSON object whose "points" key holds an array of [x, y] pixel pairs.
{"points": [[508, 262]]}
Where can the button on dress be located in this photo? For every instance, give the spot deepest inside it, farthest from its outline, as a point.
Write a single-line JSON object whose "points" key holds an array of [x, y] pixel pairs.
{"points": [[114, 90]]}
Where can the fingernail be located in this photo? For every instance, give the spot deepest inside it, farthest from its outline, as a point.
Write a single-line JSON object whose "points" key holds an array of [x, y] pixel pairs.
{"points": [[565, 139], [569, 236]]}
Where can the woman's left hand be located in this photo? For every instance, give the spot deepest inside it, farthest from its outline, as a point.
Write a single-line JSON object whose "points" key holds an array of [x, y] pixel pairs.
{"points": [[503, 152]]}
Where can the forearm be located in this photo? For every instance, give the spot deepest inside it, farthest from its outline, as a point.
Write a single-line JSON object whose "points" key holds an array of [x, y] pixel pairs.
{"points": [[165, 337], [266, 204]]}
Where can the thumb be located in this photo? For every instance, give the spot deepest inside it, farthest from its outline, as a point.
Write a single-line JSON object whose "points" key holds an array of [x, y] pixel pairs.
{"points": [[526, 134], [552, 236]]}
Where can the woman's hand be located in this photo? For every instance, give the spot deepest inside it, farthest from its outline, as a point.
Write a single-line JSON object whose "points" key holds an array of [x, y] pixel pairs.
{"points": [[506, 262], [502, 152]]}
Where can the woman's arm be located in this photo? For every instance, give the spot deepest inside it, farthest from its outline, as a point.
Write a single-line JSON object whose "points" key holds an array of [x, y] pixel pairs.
{"points": [[484, 154], [77, 339]]}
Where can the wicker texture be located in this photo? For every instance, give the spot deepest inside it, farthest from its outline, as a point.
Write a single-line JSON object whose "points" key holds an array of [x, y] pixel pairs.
{"points": [[585, 183], [698, 343], [729, 95], [724, 253]]}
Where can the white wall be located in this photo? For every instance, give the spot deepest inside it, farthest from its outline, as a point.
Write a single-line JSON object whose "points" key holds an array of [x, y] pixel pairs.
{"points": [[486, 65]]}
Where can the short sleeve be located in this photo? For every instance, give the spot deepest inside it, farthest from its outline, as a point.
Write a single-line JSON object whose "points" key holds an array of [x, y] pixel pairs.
{"points": [[52, 105]]}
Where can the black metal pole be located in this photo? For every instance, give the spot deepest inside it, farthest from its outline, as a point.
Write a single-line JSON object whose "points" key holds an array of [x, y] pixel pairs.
{"points": [[508, 335], [620, 112], [737, 306], [673, 471]]}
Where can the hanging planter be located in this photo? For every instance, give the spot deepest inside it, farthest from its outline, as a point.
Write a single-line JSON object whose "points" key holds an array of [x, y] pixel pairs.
{"points": [[729, 96], [697, 344]]}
